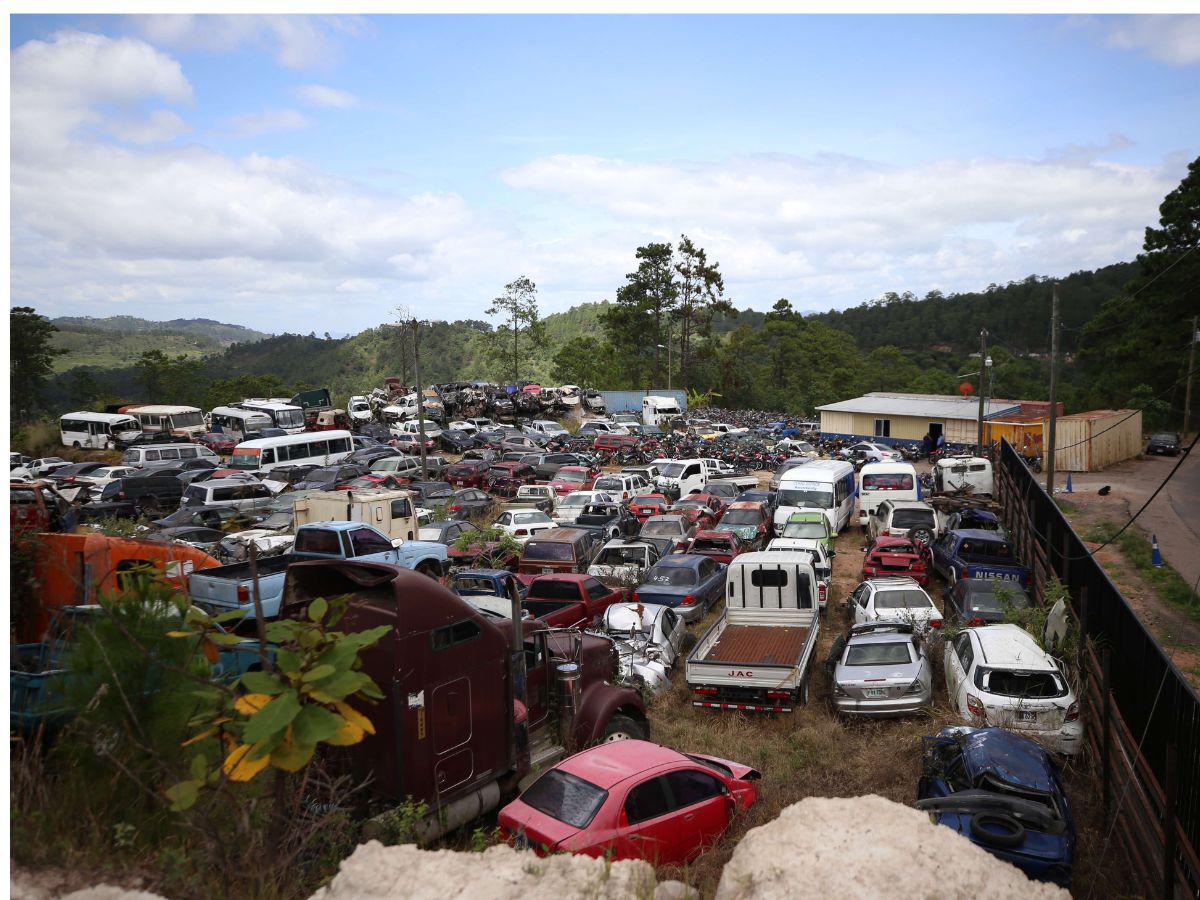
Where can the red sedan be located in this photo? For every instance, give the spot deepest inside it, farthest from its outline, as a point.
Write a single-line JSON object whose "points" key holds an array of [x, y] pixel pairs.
{"points": [[696, 512], [896, 556], [722, 546], [221, 444], [631, 800], [573, 478], [646, 505], [468, 473]]}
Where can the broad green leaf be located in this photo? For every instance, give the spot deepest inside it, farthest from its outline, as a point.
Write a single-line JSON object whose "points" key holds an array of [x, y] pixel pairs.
{"points": [[225, 640], [292, 757], [273, 717], [183, 796], [317, 609], [317, 673], [230, 616], [348, 733], [281, 630], [342, 684], [370, 689], [341, 655], [265, 747], [314, 724], [287, 661], [262, 683], [199, 768], [309, 639]]}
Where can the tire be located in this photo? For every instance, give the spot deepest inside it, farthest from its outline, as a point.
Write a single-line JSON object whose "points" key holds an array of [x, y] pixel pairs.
{"points": [[76, 445], [997, 830], [429, 570], [623, 728]]}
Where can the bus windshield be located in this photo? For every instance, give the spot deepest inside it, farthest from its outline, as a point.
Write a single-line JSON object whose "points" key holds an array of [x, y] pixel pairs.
{"points": [[186, 420], [807, 494], [289, 418]]}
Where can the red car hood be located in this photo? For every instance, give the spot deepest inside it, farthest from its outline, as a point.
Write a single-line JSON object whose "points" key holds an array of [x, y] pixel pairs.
{"points": [[523, 823]]}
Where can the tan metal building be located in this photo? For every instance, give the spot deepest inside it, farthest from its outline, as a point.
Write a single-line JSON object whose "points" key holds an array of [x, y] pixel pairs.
{"points": [[1089, 441], [891, 418]]}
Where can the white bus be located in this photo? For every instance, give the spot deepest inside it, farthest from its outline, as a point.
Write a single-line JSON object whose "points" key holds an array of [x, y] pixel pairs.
{"points": [[237, 423], [885, 481], [285, 415], [177, 421], [320, 448], [98, 431], [824, 484]]}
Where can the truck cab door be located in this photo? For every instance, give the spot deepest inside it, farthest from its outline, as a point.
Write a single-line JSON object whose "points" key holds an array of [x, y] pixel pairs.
{"points": [[537, 686]]}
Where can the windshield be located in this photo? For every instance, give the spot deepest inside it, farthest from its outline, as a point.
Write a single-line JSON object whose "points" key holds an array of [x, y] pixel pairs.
{"points": [[670, 527], [701, 544], [902, 600], [898, 481], [819, 496], [995, 599], [809, 530], [186, 420], [289, 418], [245, 458], [741, 517], [576, 499], [894, 653], [912, 518], [621, 556], [549, 551], [1020, 684], [673, 576], [570, 477], [608, 484], [565, 797], [551, 589], [672, 470]]}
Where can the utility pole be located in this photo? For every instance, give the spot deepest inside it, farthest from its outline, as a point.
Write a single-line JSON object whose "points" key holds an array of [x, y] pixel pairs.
{"points": [[420, 396], [1187, 396], [1051, 439], [983, 333]]}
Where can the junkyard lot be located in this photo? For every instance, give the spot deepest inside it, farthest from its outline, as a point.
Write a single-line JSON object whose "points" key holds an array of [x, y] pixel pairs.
{"points": [[812, 753]]}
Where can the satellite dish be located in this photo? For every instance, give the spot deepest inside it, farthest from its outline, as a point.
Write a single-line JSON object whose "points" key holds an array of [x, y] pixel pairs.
{"points": [[966, 389]]}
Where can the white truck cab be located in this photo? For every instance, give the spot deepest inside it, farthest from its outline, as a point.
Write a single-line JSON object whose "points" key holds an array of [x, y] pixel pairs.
{"points": [[658, 411]]}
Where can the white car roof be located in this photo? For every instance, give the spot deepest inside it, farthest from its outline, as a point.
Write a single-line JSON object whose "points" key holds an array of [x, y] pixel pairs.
{"points": [[1011, 646], [910, 504]]}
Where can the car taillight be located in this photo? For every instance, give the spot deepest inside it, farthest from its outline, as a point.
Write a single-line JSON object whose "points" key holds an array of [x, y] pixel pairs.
{"points": [[822, 592], [455, 508], [705, 690], [975, 706], [935, 623], [243, 595], [636, 598], [1073, 712], [916, 687], [522, 531], [778, 695], [689, 599]]}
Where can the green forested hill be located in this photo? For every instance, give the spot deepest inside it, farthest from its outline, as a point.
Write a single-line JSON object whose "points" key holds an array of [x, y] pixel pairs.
{"points": [[116, 341]]}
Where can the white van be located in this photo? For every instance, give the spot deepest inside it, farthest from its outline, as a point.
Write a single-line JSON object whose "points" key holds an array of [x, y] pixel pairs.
{"points": [[143, 455], [881, 481], [824, 484], [98, 431], [237, 423], [314, 448], [177, 421], [972, 474]]}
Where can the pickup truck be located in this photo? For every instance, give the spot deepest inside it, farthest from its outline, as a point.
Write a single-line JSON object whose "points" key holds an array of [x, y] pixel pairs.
{"points": [[756, 655], [680, 477], [594, 594], [536, 496], [38, 695], [612, 518], [230, 587], [975, 553]]}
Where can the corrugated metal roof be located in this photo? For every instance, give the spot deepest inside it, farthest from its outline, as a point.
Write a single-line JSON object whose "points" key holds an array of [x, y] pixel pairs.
{"points": [[930, 406]]}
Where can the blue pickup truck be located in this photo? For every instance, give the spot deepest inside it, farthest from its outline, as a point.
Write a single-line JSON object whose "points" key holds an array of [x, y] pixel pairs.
{"points": [[225, 588], [37, 680], [976, 553]]}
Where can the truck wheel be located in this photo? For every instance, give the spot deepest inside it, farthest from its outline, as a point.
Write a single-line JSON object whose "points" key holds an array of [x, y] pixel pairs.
{"points": [[623, 728], [429, 570]]}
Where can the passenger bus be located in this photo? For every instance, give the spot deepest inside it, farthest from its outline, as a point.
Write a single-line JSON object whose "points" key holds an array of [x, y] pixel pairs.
{"points": [[177, 421], [98, 431], [237, 423], [285, 415], [320, 448]]}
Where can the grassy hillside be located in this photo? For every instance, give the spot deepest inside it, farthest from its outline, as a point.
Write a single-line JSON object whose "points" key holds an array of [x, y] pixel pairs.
{"points": [[221, 332], [116, 341]]}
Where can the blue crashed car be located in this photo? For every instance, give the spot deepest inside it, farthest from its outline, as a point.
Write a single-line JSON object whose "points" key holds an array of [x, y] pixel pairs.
{"points": [[687, 582], [1003, 792]]}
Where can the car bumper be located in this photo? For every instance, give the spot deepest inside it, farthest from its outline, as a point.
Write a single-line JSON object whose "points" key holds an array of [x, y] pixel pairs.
{"points": [[884, 709], [1067, 740], [690, 613]]}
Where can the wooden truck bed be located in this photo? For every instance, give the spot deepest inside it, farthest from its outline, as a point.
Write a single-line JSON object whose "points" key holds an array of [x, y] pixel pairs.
{"points": [[758, 645]]}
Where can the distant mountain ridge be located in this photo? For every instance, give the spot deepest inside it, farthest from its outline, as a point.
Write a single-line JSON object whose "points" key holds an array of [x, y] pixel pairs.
{"points": [[222, 332]]}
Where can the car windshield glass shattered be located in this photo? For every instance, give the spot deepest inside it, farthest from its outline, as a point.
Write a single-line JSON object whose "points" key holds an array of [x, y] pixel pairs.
{"points": [[894, 653], [548, 551], [741, 517], [565, 797], [901, 600], [1007, 683], [621, 556], [667, 527]]}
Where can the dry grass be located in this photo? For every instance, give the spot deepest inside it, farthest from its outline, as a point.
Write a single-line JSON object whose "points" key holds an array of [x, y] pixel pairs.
{"points": [[812, 753]]}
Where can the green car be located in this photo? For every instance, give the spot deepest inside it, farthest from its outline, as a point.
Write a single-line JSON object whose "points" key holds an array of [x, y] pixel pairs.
{"points": [[811, 526]]}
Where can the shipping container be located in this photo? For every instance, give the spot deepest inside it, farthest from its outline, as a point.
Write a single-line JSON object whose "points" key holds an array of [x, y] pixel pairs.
{"points": [[1090, 441], [631, 401]]}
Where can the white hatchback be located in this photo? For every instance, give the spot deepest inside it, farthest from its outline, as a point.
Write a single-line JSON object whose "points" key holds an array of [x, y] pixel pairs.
{"points": [[894, 599], [998, 675]]}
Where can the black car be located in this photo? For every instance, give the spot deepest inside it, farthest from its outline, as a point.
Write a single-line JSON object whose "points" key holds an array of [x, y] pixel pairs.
{"points": [[205, 539], [288, 474], [326, 479], [1164, 443], [176, 467], [66, 474], [368, 455], [431, 493], [203, 516], [549, 463], [976, 601], [467, 502], [131, 497], [455, 441]]}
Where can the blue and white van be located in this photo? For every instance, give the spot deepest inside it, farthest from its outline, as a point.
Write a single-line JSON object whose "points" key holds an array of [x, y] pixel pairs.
{"points": [[824, 484]]}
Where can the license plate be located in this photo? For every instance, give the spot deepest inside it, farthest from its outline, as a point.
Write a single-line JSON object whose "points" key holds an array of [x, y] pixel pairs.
{"points": [[875, 693], [546, 570], [1026, 716]]}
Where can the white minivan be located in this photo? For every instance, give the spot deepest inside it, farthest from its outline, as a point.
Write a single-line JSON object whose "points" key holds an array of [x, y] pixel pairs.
{"points": [[824, 484], [881, 481]]}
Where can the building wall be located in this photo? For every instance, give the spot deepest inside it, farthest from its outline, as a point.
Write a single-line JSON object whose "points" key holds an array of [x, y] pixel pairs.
{"points": [[904, 429]]}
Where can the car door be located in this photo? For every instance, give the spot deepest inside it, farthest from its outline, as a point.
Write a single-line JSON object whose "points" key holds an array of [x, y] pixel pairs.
{"points": [[958, 666], [649, 829], [701, 806], [367, 542], [861, 600]]}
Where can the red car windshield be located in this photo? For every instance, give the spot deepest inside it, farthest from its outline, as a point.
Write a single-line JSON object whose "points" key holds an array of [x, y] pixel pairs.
{"points": [[742, 517], [571, 477], [565, 797]]}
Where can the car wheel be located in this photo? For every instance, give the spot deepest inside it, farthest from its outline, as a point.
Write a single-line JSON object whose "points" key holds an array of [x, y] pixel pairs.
{"points": [[429, 570], [623, 728], [997, 829], [76, 445]]}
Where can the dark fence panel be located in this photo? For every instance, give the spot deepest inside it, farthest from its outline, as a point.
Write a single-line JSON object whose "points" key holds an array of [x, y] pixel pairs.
{"points": [[1149, 696]]}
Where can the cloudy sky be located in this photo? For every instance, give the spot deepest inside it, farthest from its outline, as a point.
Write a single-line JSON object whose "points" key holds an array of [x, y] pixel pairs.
{"points": [[311, 173]]}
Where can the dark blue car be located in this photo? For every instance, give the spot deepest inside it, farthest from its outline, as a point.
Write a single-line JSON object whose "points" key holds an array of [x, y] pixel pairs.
{"points": [[486, 583], [1003, 792], [687, 582]]}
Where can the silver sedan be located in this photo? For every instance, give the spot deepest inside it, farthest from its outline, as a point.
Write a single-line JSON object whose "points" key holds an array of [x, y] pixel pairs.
{"points": [[880, 669]]}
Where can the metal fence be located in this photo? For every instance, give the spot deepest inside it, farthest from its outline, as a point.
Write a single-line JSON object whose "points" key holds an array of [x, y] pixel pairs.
{"points": [[1143, 716]]}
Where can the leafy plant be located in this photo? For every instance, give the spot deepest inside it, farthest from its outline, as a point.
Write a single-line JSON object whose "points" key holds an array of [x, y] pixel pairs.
{"points": [[493, 544]]}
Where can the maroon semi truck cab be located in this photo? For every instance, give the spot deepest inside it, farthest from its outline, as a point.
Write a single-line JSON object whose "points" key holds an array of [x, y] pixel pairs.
{"points": [[446, 731]]}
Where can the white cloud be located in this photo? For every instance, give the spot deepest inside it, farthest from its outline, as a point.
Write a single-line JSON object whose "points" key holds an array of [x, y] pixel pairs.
{"points": [[321, 95], [160, 126], [297, 42], [1173, 39], [252, 124]]}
